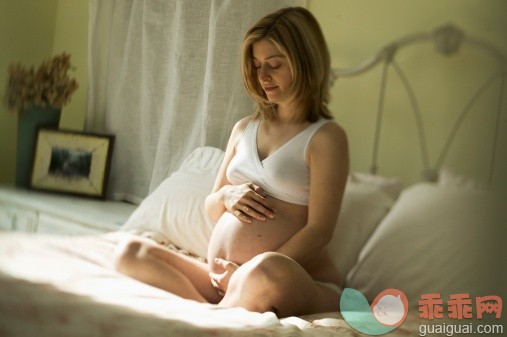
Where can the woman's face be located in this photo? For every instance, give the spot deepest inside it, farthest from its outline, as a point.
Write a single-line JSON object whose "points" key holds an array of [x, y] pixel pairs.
{"points": [[273, 70]]}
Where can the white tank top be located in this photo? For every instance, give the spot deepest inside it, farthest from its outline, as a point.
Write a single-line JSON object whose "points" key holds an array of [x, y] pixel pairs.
{"points": [[284, 174]]}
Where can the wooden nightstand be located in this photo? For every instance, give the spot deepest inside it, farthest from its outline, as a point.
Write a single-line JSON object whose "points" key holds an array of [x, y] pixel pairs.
{"points": [[37, 212]]}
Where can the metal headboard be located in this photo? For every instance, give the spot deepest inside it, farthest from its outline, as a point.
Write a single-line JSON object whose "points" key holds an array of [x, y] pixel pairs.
{"points": [[447, 40]]}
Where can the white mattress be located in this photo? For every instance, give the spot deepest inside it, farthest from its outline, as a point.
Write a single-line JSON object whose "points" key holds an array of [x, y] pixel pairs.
{"points": [[66, 286]]}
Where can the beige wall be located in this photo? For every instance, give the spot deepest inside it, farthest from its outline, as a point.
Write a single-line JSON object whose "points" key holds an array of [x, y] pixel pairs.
{"points": [[30, 32], [356, 29]]}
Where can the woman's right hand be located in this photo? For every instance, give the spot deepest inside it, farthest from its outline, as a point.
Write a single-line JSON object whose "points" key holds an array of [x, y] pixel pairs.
{"points": [[246, 202]]}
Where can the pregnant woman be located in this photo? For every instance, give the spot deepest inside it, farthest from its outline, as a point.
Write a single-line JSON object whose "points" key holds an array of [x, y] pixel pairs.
{"points": [[278, 192]]}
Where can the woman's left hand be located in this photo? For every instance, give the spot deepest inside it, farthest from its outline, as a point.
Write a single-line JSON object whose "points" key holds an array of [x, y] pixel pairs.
{"points": [[221, 281]]}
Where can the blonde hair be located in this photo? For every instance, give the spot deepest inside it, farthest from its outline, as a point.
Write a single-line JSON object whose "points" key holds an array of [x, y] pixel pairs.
{"points": [[297, 34]]}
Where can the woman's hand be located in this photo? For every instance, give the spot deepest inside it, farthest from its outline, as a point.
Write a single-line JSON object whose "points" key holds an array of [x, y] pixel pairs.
{"points": [[247, 202], [221, 281]]}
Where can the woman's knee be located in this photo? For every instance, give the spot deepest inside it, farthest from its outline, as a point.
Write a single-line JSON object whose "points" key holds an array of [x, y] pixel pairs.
{"points": [[262, 284], [270, 271], [274, 264], [126, 254]]}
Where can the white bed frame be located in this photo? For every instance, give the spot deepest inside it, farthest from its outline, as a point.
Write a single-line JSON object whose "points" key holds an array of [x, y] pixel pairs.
{"points": [[448, 40]]}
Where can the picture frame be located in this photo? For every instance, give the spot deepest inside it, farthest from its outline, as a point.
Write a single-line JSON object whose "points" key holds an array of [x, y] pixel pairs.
{"points": [[72, 162]]}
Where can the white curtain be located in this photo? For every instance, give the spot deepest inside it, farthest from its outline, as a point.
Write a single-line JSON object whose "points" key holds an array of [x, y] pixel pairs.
{"points": [[164, 78]]}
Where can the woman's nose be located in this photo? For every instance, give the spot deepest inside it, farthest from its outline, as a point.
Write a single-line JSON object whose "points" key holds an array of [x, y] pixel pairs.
{"points": [[264, 74]]}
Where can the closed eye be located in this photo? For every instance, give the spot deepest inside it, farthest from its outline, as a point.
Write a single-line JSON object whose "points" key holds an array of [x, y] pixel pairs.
{"points": [[274, 67]]}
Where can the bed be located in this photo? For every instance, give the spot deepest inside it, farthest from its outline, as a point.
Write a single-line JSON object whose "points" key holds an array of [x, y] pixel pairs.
{"points": [[441, 235]]}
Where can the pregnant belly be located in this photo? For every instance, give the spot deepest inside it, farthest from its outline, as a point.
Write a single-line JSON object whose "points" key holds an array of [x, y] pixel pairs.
{"points": [[239, 242]]}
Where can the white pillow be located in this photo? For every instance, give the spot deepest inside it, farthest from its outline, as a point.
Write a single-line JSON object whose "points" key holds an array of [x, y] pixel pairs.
{"points": [[176, 208], [434, 240], [390, 185], [363, 207], [448, 178]]}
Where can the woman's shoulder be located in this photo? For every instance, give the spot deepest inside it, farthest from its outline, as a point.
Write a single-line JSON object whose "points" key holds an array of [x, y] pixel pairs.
{"points": [[242, 124], [330, 134], [331, 129], [240, 127]]}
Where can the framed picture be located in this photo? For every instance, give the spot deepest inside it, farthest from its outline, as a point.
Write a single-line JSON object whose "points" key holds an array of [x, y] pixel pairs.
{"points": [[72, 162]]}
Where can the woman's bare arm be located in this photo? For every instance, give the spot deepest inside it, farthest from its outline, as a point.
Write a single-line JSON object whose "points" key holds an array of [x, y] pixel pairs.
{"points": [[328, 161], [213, 204]]}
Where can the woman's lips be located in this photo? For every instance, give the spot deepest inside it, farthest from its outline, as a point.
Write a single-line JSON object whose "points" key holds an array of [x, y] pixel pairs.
{"points": [[269, 89]]}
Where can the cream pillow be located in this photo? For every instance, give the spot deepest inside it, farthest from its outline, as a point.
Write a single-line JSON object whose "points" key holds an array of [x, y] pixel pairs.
{"points": [[448, 178], [175, 209], [390, 185], [363, 207], [434, 240]]}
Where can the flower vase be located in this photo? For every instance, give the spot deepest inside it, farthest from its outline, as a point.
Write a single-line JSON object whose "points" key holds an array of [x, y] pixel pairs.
{"points": [[29, 120]]}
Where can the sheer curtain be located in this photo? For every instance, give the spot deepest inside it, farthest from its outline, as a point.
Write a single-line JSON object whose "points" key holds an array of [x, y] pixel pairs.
{"points": [[164, 78]]}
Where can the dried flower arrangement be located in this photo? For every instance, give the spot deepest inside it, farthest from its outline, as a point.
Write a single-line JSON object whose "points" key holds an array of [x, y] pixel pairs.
{"points": [[48, 85]]}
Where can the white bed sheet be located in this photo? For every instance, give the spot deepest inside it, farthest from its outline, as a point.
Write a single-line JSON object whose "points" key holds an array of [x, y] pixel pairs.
{"points": [[66, 286]]}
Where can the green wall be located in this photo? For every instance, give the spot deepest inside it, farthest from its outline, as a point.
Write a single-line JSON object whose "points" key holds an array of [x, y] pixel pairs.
{"points": [[71, 36], [32, 31], [356, 29]]}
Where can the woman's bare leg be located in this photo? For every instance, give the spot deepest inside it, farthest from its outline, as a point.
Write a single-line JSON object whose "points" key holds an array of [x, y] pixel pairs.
{"points": [[158, 266], [274, 282]]}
